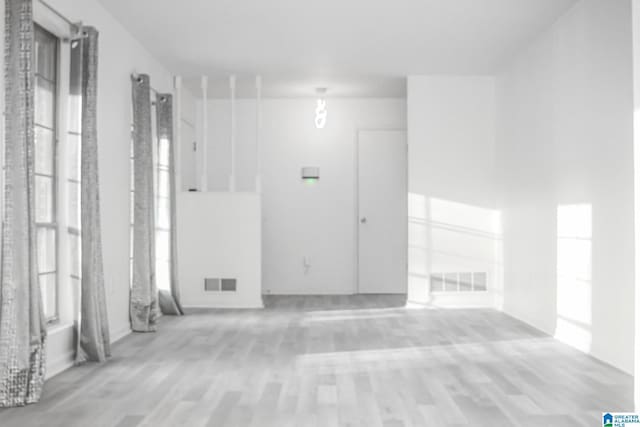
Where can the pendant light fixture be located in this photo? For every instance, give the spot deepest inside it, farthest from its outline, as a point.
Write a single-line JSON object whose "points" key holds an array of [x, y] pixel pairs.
{"points": [[321, 108]]}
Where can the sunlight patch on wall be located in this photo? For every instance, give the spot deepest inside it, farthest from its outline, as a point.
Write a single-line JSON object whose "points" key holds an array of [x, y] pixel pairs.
{"points": [[450, 239], [418, 278], [574, 289]]}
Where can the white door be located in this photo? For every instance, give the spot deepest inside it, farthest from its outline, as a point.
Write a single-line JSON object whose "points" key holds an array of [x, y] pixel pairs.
{"points": [[382, 212]]}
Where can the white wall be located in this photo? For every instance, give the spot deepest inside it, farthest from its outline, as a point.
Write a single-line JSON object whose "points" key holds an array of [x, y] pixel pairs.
{"points": [[120, 54], [565, 158], [453, 222], [219, 143], [317, 221], [635, 5], [219, 237]]}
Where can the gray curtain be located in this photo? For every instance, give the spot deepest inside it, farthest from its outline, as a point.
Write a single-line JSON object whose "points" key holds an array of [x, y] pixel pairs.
{"points": [[93, 342], [144, 294], [22, 323], [169, 301]]}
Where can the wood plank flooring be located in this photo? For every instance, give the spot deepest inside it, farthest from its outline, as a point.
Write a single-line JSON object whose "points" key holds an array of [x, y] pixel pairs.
{"points": [[334, 361]]}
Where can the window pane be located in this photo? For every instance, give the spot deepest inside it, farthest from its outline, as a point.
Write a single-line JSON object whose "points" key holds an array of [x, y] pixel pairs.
{"points": [[46, 65], [45, 103], [46, 53], [46, 250], [163, 214], [163, 152], [163, 183], [163, 280], [44, 199], [44, 150], [162, 245], [48, 287]]}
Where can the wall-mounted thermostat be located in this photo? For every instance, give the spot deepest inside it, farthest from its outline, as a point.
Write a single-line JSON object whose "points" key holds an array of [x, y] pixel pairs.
{"points": [[311, 173]]}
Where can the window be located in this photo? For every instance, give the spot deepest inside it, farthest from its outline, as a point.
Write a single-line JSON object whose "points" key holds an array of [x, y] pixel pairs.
{"points": [[46, 47], [72, 165], [163, 214]]}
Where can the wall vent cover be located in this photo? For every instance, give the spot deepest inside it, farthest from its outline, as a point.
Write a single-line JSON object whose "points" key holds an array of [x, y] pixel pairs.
{"points": [[228, 285], [459, 282], [220, 285], [212, 285]]}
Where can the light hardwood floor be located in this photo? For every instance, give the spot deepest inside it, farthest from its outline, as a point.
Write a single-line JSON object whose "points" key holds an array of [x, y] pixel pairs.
{"points": [[334, 361]]}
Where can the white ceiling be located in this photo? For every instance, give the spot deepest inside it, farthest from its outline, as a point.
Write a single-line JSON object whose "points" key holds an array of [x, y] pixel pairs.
{"points": [[354, 47]]}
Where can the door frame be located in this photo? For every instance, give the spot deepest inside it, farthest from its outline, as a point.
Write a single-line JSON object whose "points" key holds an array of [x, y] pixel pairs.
{"points": [[356, 193]]}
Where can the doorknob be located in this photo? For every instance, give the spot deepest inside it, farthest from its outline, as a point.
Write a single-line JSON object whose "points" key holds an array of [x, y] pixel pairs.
{"points": [[363, 220]]}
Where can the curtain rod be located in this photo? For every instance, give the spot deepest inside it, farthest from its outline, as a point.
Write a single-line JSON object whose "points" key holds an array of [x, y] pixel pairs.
{"points": [[76, 25]]}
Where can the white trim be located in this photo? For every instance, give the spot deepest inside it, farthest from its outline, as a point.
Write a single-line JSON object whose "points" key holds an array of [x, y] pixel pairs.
{"points": [[313, 292], [51, 22], [120, 334], [67, 360], [227, 305], [356, 192], [483, 299], [60, 364], [64, 360], [66, 293], [356, 218], [356, 198], [55, 328]]}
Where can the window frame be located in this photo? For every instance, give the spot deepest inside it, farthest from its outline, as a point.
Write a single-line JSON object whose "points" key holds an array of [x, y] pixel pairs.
{"points": [[55, 175], [66, 294]]}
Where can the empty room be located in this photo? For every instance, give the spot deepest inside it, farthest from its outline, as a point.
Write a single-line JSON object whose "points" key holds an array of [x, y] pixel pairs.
{"points": [[342, 213]]}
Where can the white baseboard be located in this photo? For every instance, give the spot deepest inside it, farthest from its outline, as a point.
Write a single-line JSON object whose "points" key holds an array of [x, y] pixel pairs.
{"points": [[67, 360], [243, 306], [463, 300], [60, 348], [60, 364], [312, 292], [120, 333]]}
